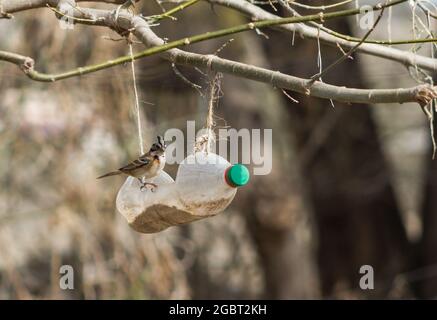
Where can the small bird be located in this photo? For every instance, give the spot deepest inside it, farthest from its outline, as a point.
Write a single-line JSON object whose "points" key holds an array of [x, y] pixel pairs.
{"points": [[147, 166]]}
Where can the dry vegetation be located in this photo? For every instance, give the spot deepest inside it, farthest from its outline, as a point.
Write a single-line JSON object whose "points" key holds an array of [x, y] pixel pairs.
{"points": [[345, 190]]}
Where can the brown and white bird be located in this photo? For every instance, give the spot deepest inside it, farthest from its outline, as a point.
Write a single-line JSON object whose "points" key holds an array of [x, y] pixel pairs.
{"points": [[147, 166]]}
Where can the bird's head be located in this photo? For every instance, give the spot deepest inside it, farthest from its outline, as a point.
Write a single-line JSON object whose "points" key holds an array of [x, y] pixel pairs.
{"points": [[159, 147]]}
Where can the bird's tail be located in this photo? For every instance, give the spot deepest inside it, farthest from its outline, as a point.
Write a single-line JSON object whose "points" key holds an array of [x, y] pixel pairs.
{"points": [[114, 173]]}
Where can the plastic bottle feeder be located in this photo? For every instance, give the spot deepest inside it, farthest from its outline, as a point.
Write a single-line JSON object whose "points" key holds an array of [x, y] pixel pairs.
{"points": [[205, 185]]}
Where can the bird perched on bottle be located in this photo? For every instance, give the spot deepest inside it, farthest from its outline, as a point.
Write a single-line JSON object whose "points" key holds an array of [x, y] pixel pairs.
{"points": [[146, 166]]}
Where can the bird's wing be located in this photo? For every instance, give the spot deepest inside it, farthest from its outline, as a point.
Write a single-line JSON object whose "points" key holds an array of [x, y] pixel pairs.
{"points": [[140, 162]]}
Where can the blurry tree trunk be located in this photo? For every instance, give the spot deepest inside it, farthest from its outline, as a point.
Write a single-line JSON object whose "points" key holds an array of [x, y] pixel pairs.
{"points": [[427, 275], [276, 209], [358, 220]]}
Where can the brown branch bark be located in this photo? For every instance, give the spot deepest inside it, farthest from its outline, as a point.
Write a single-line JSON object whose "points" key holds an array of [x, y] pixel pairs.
{"points": [[403, 57], [13, 6], [125, 21]]}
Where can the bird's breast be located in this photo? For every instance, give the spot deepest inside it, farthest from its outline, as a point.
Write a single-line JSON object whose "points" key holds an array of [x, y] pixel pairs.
{"points": [[156, 166], [161, 162]]}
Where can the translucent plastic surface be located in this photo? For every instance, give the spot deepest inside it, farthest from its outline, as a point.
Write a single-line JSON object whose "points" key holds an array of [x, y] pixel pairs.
{"points": [[199, 191]]}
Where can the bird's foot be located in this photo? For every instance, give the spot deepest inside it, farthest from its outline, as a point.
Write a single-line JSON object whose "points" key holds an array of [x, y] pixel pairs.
{"points": [[144, 185]]}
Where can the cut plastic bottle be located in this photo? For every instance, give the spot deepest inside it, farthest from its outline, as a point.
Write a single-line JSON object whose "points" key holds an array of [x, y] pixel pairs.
{"points": [[205, 185]]}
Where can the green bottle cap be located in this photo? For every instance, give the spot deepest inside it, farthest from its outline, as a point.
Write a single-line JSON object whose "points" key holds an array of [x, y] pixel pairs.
{"points": [[237, 175]]}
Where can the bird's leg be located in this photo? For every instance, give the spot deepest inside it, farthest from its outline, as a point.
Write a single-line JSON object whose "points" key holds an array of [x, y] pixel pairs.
{"points": [[145, 184], [141, 183], [152, 185]]}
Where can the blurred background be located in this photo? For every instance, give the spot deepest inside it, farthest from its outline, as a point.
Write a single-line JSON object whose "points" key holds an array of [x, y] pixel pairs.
{"points": [[352, 185]]}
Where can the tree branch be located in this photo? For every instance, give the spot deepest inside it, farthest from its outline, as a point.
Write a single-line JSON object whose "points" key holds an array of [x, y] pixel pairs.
{"points": [[125, 21], [256, 13], [26, 64], [319, 75], [403, 57], [13, 6]]}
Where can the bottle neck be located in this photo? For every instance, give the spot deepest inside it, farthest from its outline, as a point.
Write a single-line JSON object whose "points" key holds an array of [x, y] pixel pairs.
{"points": [[228, 180]]}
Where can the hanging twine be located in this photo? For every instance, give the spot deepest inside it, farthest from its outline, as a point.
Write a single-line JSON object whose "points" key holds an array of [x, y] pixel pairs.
{"points": [[137, 102], [205, 141]]}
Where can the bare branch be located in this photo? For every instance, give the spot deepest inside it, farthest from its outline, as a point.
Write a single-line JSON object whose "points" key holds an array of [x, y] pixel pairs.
{"points": [[404, 57], [25, 63], [125, 21], [12, 6], [319, 75]]}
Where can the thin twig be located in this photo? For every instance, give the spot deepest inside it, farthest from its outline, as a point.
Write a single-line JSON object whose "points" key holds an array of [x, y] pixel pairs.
{"points": [[289, 96], [350, 52], [222, 47], [169, 13], [186, 80], [62, 14], [309, 32]]}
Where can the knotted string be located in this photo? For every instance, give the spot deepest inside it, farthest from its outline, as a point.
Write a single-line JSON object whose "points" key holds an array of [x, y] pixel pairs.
{"points": [[205, 141]]}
